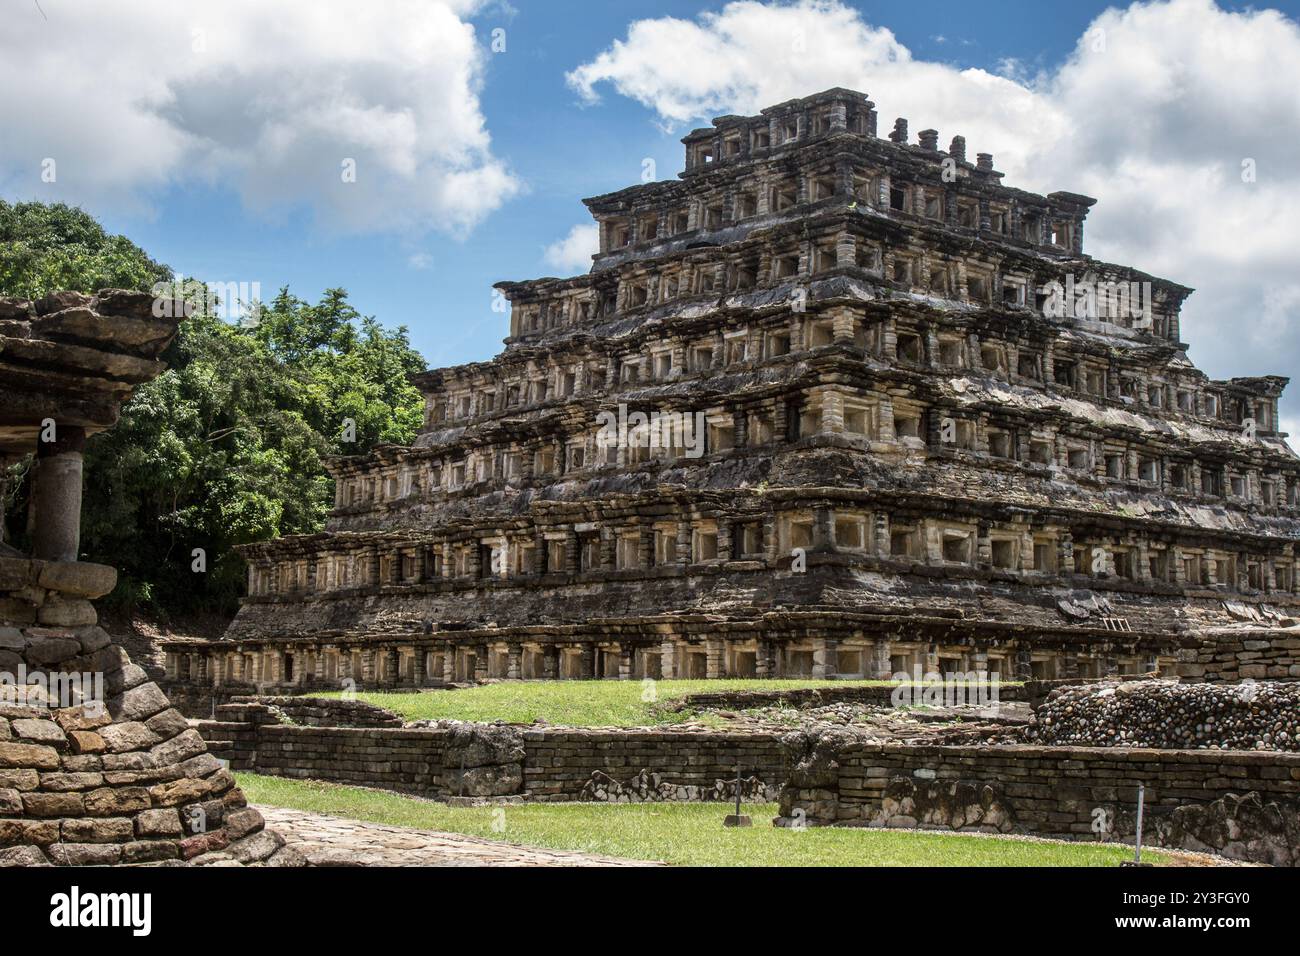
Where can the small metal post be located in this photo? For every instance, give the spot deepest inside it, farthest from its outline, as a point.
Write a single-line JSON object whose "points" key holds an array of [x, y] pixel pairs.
{"points": [[1137, 858], [737, 819]]}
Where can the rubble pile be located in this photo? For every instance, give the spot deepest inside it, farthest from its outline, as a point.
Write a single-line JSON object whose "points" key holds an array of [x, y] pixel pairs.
{"points": [[874, 723], [1168, 715]]}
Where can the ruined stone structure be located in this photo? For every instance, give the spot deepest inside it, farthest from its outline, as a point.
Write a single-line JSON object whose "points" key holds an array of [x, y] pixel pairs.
{"points": [[96, 767], [932, 433], [1238, 804], [451, 759]]}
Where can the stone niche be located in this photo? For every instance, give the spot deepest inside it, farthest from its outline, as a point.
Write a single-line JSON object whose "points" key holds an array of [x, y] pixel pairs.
{"points": [[96, 766]]}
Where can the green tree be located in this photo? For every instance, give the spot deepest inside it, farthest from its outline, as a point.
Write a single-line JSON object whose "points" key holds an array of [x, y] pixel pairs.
{"points": [[46, 247], [224, 447]]}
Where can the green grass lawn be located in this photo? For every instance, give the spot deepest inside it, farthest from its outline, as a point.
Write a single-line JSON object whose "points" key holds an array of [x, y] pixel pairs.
{"points": [[568, 703], [684, 834], [571, 703]]}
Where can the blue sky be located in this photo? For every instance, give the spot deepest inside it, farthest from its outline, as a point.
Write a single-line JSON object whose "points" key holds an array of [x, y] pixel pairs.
{"points": [[557, 148], [562, 149]]}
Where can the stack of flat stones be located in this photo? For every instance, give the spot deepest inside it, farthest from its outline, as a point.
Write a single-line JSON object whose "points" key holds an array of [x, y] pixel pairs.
{"points": [[1165, 714], [77, 357], [117, 775]]}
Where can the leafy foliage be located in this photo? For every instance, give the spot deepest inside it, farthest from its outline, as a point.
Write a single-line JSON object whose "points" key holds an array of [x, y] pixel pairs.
{"points": [[48, 247], [225, 447]]}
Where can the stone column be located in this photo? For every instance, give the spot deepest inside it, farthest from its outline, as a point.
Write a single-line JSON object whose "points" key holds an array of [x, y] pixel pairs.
{"points": [[714, 662], [881, 668], [4, 490], [822, 535], [1024, 664], [667, 660], [56, 492], [824, 659]]}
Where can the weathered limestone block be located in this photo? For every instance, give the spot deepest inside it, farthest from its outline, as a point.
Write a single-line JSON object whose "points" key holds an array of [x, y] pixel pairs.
{"points": [[164, 822], [1246, 827], [239, 823], [486, 781], [98, 830], [50, 651], [813, 757], [21, 855], [85, 854], [128, 736], [138, 703], [31, 756], [59, 612], [40, 731], [477, 745], [257, 847], [950, 805], [71, 780], [109, 801]]}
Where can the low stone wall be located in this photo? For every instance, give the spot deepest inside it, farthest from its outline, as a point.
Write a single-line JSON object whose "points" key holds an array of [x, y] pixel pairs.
{"points": [[1229, 658], [326, 711], [803, 697], [200, 702], [477, 760], [411, 761], [560, 764], [1245, 805]]}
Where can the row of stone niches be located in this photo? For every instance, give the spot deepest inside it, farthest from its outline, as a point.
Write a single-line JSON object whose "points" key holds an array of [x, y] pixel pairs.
{"points": [[662, 354], [304, 666], [584, 548], [866, 416]]}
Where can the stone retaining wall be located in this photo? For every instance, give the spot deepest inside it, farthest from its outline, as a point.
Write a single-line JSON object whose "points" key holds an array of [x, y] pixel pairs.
{"points": [[1194, 798], [1230, 658], [804, 697], [200, 702], [326, 711], [559, 764], [477, 760]]}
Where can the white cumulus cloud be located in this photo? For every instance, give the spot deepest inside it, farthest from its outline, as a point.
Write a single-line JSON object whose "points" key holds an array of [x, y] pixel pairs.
{"points": [[573, 253], [274, 101], [1156, 112]]}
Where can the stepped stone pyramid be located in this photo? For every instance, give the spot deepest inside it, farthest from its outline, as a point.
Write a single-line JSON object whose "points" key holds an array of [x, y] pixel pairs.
{"points": [[829, 404], [96, 766]]}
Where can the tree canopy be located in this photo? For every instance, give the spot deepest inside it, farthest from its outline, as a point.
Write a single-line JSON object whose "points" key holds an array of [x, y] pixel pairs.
{"points": [[45, 247], [224, 447]]}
